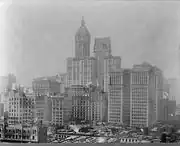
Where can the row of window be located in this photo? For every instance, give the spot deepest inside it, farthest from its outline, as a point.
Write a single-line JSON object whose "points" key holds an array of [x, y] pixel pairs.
{"points": [[41, 85], [140, 78]]}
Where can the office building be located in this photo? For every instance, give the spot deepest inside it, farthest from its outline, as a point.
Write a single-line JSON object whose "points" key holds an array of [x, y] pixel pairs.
{"points": [[46, 86], [80, 104], [61, 108], [67, 105], [84, 108], [146, 92], [21, 107], [43, 108], [83, 69], [111, 64], [115, 97], [80, 70], [102, 49], [57, 110]]}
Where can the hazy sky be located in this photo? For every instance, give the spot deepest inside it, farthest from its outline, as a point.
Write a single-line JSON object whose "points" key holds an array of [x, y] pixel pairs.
{"points": [[139, 31]]}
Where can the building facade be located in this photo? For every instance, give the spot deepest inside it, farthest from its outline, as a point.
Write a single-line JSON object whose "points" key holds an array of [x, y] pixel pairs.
{"points": [[80, 104], [43, 108], [111, 64], [57, 110], [102, 49], [46, 86], [115, 97], [80, 70], [21, 107], [86, 109], [146, 92], [61, 108]]}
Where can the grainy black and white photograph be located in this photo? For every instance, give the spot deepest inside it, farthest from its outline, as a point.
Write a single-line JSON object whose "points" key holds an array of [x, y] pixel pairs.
{"points": [[89, 72]]}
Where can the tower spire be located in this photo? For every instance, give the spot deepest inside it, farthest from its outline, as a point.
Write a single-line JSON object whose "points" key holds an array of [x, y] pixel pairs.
{"points": [[82, 21]]}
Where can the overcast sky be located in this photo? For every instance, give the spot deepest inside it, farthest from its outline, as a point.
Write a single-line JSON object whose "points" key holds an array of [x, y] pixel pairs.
{"points": [[139, 31]]}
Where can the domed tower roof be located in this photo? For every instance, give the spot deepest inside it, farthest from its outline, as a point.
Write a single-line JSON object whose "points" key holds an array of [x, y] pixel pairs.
{"points": [[82, 31]]}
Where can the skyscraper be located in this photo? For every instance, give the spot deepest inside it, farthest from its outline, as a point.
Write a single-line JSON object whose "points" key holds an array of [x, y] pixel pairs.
{"points": [[82, 41], [81, 70], [111, 64], [115, 97], [102, 49], [146, 92]]}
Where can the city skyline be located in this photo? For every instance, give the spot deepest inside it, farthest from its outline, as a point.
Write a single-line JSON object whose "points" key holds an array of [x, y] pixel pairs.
{"points": [[102, 67], [153, 35]]}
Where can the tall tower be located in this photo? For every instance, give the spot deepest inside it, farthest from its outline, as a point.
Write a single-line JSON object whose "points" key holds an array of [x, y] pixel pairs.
{"points": [[82, 41], [102, 49]]}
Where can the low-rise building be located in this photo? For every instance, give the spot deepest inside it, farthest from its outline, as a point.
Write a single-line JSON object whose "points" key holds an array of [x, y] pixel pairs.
{"points": [[1, 129], [25, 134]]}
